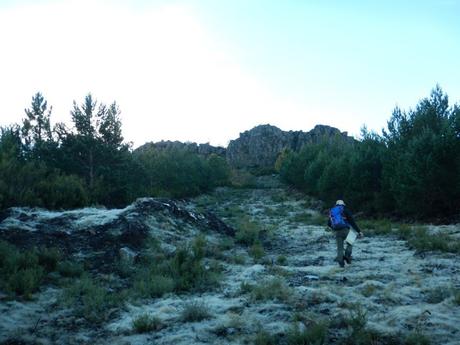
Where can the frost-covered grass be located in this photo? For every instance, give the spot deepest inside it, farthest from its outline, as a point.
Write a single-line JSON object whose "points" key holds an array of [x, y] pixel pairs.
{"points": [[183, 289], [146, 323], [270, 289], [315, 334], [417, 236], [90, 299]]}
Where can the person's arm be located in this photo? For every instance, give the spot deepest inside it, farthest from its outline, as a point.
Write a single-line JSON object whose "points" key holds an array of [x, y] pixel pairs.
{"points": [[351, 220]]}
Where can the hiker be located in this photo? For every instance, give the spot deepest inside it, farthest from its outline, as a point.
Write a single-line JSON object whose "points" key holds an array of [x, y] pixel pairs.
{"points": [[340, 220]]}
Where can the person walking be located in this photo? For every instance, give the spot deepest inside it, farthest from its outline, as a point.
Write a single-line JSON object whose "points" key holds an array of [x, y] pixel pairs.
{"points": [[340, 220]]}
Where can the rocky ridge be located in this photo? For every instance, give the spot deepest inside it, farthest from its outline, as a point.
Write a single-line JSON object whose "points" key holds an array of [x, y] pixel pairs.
{"points": [[261, 146], [258, 147]]}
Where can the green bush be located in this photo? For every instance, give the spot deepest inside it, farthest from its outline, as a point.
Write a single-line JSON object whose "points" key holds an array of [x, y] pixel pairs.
{"points": [[376, 227], [90, 299], [48, 258], [257, 251], [457, 296], [184, 271], [416, 338], [271, 289], [150, 285], [262, 337], [242, 179], [195, 311], [315, 335], [23, 271], [146, 323], [25, 281], [438, 294], [248, 232], [70, 269], [281, 260], [421, 240]]}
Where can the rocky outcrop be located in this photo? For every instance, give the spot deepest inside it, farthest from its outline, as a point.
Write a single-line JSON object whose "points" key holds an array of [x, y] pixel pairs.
{"points": [[255, 148], [260, 146], [105, 234], [201, 149]]}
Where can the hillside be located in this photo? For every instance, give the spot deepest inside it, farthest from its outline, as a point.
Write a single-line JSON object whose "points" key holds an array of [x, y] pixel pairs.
{"points": [[258, 268]]}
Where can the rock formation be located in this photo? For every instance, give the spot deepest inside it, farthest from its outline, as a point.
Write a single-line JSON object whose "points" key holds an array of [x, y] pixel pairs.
{"points": [[260, 146], [109, 233]]}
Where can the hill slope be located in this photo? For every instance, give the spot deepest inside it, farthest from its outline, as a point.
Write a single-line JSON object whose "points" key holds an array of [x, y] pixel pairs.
{"points": [[274, 279]]}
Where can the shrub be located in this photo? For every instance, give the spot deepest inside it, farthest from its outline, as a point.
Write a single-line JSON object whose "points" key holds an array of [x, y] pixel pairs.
{"points": [[199, 245], [89, 299], [226, 243], [195, 311], [248, 231], [281, 260], [416, 338], [146, 323], [153, 285], [404, 231], [70, 269], [189, 272], [257, 251], [368, 290], [457, 297], [262, 337], [26, 281], [184, 271], [272, 289], [376, 227], [317, 219], [303, 217], [23, 271], [437, 295], [242, 179], [421, 240], [316, 334], [239, 259], [48, 258]]}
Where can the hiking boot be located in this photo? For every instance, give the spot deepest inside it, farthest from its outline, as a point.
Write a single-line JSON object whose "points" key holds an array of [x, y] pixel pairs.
{"points": [[341, 263], [347, 259]]}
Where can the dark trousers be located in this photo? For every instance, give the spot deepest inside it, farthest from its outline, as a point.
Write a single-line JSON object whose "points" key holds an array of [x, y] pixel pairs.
{"points": [[340, 236]]}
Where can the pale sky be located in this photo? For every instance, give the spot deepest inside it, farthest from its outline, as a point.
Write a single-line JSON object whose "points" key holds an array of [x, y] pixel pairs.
{"points": [[206, 70]]}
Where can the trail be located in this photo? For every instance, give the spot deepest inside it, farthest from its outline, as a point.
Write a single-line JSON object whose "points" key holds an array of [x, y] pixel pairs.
{"points": [[398, 290]]}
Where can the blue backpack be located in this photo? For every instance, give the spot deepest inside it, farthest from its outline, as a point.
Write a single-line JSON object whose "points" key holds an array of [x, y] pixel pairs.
{"points": [[337, 218]]}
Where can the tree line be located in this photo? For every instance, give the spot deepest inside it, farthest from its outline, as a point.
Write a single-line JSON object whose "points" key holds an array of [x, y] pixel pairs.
{"points": [[90, 164], [411, 169]]}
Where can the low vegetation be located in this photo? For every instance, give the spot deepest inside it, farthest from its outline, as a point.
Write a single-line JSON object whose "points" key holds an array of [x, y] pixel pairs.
{"points": [[195, 311], [23, 271], [90, 299], [315, 334], [146, 323], [418, 237], [271, 289]]}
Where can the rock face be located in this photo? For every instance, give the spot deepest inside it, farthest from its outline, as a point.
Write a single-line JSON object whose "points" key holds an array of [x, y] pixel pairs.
{"points": [[260, 146]]}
